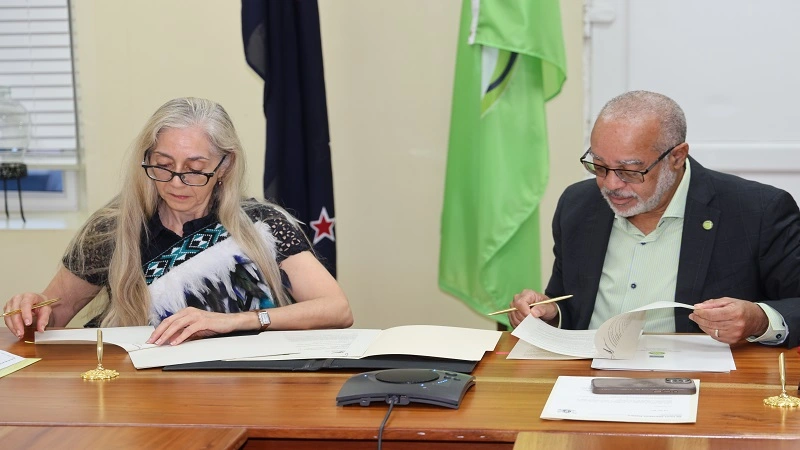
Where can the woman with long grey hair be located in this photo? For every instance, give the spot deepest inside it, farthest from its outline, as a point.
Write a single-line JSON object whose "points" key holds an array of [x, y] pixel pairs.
{"points": [[183, 249]]}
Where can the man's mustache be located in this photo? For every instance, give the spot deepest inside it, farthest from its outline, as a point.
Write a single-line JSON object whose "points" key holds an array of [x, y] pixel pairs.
{"points": [[616, 193]]}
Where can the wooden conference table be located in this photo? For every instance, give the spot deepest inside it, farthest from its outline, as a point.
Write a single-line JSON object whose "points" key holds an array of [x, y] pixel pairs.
{"points": [[298, 409]]}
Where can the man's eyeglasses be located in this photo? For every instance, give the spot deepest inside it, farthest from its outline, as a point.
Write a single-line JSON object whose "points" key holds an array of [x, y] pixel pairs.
{"points": [[192, 178], [628, 176]]}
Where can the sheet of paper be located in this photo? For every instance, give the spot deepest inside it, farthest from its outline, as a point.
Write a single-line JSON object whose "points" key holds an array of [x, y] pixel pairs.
{"points": [[436, 341], [8, 359], [523, 350], [578, 343], [17, 366], [129, 338], [675, 353], [143, 356], [10, 363], [324, 344], [213, 349], [616, 338], [572, 399]]}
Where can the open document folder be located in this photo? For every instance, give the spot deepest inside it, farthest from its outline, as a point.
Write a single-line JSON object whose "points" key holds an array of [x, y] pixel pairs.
{"points": [[419, 340], [572, 399]]}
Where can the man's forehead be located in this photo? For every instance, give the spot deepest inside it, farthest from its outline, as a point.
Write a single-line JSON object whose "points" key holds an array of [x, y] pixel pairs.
{"points": [[628, 141]]}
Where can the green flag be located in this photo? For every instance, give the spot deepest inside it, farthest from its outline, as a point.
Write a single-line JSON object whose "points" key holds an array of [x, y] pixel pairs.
{"points": [[510, 61]]}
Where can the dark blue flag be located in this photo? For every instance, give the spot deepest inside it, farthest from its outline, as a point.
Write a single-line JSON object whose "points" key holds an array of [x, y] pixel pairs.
{"points": [[282, 44]]}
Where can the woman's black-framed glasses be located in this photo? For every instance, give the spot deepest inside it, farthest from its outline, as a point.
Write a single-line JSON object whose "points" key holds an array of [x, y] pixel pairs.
{"points": [[193, 178], [628, 176]]}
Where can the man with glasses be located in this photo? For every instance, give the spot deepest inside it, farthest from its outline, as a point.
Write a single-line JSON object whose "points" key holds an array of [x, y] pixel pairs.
{"points": [[655, 225]]}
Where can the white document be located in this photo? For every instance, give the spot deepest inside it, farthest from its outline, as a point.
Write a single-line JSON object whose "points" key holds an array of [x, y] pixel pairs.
{"points": [[129, 338], [523, 350], [572, 399], [675, 353], [435, 341], [616, 338], [9, 359], [143, 355]]}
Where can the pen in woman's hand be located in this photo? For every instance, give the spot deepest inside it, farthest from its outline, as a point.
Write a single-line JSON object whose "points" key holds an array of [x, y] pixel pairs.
{"points": [[37, 305]]}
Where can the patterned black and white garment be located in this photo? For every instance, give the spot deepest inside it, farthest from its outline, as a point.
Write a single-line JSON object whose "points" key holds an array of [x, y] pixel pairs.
{"points": [[205, 269]]}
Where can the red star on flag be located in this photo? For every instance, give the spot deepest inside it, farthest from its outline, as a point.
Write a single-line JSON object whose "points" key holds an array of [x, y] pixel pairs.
{"points": [[323, 227]]}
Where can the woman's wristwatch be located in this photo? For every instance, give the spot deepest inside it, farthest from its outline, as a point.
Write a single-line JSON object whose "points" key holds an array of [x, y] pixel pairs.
{"points": [[263, 319]]}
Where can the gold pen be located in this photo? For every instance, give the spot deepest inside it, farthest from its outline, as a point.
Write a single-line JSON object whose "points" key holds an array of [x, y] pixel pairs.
{"points": [[543, 302], [38, 305]]}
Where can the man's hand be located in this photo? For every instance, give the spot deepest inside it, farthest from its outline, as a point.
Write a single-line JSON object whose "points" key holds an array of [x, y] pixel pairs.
{"points": [[522, 302], [730, 320]]}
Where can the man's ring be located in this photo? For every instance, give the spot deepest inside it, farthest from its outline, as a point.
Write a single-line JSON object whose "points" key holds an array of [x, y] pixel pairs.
{"points": [[716, 333]]}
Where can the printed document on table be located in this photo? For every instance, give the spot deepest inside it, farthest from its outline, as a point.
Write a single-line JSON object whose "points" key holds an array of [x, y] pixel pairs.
{"points": [[675, 353], [572, 399], [143, 355], [9, 359], [10, 363], [616, 338]]}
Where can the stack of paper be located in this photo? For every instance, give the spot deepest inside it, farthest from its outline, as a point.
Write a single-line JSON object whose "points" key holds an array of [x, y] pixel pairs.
{"points": [[572, 399], [675, 353]]}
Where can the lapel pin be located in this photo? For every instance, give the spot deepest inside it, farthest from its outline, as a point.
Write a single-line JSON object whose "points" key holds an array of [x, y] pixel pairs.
{"points": [[707, 225]]}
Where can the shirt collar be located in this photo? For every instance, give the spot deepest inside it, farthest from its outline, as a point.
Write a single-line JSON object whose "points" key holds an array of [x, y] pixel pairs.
{"points": [[677, 206]]}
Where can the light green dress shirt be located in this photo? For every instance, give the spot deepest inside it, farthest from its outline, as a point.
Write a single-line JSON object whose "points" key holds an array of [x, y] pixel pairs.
{"points": [[641, 269]]}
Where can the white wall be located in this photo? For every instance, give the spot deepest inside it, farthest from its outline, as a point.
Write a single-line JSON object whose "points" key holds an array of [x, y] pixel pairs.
{"points": [[389, 73], [729, 68]]}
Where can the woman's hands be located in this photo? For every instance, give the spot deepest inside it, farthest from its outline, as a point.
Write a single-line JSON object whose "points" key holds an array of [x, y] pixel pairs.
{"points": [[73, 292], [192, 323], [28, 316]]}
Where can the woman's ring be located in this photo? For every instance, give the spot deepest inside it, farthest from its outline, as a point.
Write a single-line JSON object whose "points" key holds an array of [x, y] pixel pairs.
{"points": [[716, 333]]}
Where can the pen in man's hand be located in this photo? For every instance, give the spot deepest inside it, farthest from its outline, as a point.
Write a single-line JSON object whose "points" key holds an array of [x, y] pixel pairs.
{"points": [[543, 302]]}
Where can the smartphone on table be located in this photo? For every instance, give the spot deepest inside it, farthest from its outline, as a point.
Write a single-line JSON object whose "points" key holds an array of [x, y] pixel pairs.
{"points": [[644, 386]]}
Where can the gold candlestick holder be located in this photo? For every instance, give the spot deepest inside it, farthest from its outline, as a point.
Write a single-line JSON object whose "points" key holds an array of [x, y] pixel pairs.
{"points": [[100, 373], [783, 400]]}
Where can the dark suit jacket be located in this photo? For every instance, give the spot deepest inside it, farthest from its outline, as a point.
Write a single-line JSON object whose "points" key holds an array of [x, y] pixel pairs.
{"points": [[752, 252]]}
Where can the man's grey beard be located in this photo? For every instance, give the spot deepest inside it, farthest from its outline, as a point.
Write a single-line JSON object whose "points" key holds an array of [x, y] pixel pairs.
{"points": [[666, 179]]}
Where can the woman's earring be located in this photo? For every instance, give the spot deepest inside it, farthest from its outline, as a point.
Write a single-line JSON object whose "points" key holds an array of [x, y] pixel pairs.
{"points": [[219, 183]]}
